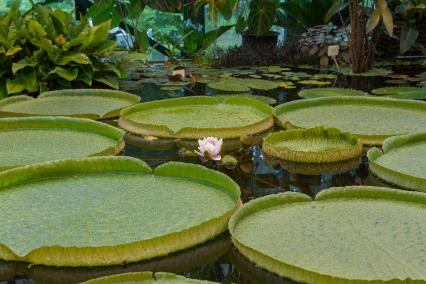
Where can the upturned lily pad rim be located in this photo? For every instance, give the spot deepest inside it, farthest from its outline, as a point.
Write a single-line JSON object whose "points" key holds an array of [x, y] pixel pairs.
{"points": [[281, 199], [123, 253], [133, 99], [306, 93], [353, 149], [145, 129], [395, 92], [365, 139], [66, 123], [389, 175], [135, 277]]}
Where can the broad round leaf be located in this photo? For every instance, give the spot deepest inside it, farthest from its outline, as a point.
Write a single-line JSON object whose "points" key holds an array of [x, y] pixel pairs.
{"points": [[146, 278], [352, 235], [198, 117], [410, 93], [329, 92], [30, 140], [87, 103], [314, 145], [402, 161], [242, 85], [109, 210], [370, 119]]}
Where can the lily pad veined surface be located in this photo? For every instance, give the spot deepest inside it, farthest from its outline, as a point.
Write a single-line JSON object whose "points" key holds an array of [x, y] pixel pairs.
{"points": [[30, 140], [71, 213], [146, 278], [243, 85], [86, 103], [370, 119], [359, 234], [198, 117], [402, 161], [329, 92], [314, 145], [410, 93]]}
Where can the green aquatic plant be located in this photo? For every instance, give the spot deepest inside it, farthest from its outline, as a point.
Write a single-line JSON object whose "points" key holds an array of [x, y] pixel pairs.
{"points": [[25, 141], [198, 117], [370, 119], [243, 85], [361, 234], [146, 278], [314, 82], [402, 161], [264, 99], [412, 93], [121, 210], [86, 103], [329, 92], [314, 145], [47, 49]]}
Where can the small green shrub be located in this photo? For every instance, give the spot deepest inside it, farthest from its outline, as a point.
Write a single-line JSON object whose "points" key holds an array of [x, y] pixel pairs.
{"points": [[46, 49]]}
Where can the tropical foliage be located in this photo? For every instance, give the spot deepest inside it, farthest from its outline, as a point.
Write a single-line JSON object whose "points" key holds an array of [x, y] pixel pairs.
{"points": [[46, 49], [413, 11]]}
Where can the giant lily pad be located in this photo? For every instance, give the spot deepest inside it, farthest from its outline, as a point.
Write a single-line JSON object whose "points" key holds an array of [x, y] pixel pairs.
{"points": [[352, 235], [109, 210], [314, 145], [87, 103], [243, 85], [370, 119], [146, 278], [329, 92], [31, 140], [198, 117], [412, 93], [402, 161]]}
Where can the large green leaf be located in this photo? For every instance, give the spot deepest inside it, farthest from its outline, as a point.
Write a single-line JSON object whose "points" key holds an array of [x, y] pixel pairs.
{"points": [[121, 212], [198, 117], [262, 16], [329, 92], [243, 85], [370, 119], [359, 234], [313, 145], [402, 161], [26, 141], [411, 93], [67, 74], [89, 103], [146, 278]]}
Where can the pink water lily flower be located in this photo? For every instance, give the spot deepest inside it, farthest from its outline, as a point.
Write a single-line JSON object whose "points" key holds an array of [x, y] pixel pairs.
{"points": [[209, 148]]}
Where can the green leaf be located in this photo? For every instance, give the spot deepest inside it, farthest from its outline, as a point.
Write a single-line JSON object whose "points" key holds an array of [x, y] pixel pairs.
{"points": [[409, 36], [27, 61], [77, 57], [67, 74], [24, 81], [262, 16], [108, 80], [13, 50], [36, 28]]}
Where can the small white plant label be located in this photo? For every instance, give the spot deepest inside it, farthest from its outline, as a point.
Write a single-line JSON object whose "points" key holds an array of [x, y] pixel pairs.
{"points": [[333, 50]]}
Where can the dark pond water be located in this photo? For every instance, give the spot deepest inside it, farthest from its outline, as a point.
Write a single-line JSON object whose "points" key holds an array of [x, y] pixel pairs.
{"points": [[257, 176]]}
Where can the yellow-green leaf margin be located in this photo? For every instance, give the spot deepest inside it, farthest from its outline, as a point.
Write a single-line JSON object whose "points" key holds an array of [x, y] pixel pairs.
{"points": [[146, 278], [338, 194], [129, 252], [393, 176], [128, 98], [66, 123], [351, 148], [195, 133]]}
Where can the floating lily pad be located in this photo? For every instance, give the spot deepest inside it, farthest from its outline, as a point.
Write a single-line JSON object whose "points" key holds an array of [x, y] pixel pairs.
{"points": [[287, 85], [412, 93], [352, 235], [242, 85], [264, 99], [87, 103], [371, 119], [314, 82], [314, 145], [109, 210], [402, 161], [146, 278], [372, 73], [329, 92], [198, 117], [31, 140]]}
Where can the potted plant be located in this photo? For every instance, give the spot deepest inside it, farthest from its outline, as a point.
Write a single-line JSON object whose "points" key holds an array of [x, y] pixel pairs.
{"points": [[256, 27]]}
